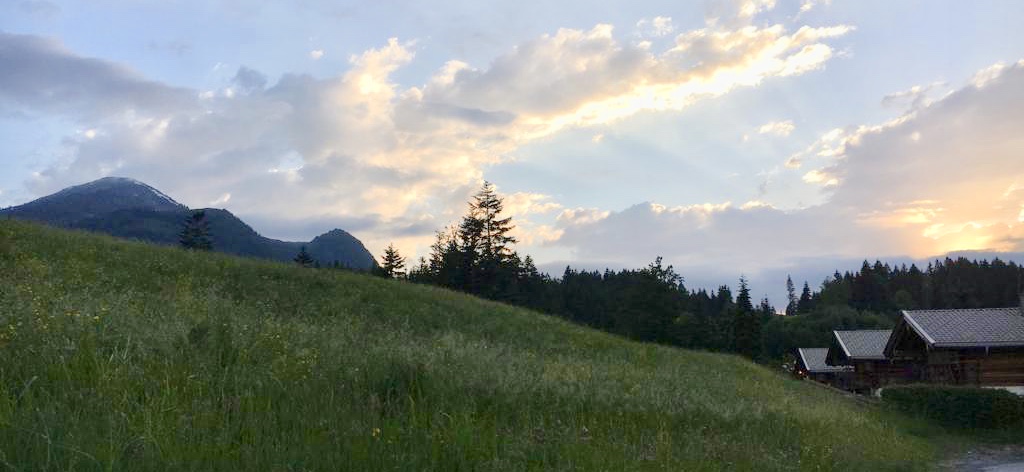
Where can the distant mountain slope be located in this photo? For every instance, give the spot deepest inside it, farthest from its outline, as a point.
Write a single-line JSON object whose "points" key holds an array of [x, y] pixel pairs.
{"points": [[128, 208]]}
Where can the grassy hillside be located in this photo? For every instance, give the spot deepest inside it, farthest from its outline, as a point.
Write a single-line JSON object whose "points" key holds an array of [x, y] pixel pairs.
{"points": [[124, 356]]}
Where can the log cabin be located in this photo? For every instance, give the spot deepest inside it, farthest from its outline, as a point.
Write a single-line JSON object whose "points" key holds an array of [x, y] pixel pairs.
{"points": [[810, 364], [979, 347], [872, 368]]}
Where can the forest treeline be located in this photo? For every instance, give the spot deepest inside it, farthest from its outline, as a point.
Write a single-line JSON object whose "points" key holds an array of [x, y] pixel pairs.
{"points": [[653, 303]]}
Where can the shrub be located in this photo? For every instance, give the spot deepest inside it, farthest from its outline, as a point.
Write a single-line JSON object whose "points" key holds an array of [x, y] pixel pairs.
{"points": [[959, 406]]}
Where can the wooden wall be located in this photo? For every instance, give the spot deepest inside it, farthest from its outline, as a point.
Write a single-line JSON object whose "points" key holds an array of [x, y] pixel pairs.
{"points": [[975, 367], [869, 375]]}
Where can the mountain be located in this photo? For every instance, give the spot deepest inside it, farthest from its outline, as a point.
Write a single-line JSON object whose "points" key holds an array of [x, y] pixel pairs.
{"points": [[128, 208]]}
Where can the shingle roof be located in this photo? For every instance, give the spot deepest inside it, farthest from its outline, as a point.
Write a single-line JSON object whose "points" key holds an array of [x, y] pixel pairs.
{"points": [[969, 328], [814, 359], [864, 344]]}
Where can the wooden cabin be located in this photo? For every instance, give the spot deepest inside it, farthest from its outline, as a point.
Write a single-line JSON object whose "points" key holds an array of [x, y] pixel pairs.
{"points": [[980, 347], [872, 368], [810, 364]]}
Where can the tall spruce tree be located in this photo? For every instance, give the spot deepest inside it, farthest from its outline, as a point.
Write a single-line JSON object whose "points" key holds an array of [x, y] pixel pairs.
{"points": [[489, 266], [790, 296], [747, 324], [392, 263], [195, 232], [303, 258], [806, 302]]}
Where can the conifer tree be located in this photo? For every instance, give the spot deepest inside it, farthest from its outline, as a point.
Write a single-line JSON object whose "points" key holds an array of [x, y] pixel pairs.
{"points": [[195, 233], [747, 324], [806, 302], [392, 263], [303, 258], [790, 296], [494, 237], [488, 266], [766, 309]]}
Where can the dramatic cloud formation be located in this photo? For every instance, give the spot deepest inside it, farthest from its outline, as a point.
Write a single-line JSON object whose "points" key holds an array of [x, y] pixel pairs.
{"points": [[946, 176], [357, 147]]}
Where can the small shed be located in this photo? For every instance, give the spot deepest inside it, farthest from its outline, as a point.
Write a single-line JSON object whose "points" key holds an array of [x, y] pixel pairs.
{"points": [[980, 347], [810, 364], [872, 368]]}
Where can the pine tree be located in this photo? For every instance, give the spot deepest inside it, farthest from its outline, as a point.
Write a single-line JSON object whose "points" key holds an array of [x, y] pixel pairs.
{"points": [[791, 297], [195, 233], [746, 324], [303, 258], [488, 265], [393, 263], [766, 309], [743, 301], [494, 240], [806, 302]]}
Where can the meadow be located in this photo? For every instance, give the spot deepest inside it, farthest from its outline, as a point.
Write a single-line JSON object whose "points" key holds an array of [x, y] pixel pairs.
{"points": [[117, 355]]}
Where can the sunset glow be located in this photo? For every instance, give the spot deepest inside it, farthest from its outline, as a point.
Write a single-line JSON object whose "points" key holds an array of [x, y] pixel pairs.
{"points": [[766, 137]]}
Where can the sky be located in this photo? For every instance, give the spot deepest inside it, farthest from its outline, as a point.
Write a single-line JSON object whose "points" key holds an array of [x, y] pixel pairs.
{"points": [[753, 137]]}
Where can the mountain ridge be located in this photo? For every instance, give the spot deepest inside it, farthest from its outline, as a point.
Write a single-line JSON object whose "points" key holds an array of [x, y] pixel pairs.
{"points": [[128, 208]]}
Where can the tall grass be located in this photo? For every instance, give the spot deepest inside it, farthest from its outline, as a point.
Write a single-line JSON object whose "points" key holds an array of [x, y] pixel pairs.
{"points": [[125, 356]]}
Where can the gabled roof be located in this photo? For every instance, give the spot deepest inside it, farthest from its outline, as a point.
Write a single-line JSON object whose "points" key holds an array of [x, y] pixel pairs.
{"points": [[813, 359], [864, 344], [983, 327]]}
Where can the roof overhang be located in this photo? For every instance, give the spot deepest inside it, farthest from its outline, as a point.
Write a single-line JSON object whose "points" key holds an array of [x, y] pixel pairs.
{"points": [[978, 345], [803, 359], [917, 328], [907, 322], [837, 357], [831, 369]]}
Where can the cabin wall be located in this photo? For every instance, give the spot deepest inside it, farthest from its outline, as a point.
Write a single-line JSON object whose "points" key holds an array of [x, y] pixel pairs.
{"points": [[840, 380], [874, 374], [976, 367]]}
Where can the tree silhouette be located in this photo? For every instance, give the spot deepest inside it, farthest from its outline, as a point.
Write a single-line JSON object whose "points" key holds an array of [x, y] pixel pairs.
{"points": [[806, 302], [747, 324], [393, 263], [303, 258], [195, 233], [791, 299], [489, 264]]}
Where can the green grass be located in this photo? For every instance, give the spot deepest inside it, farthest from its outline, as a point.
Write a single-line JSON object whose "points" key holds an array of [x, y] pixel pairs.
{"points": [[125, 356]]}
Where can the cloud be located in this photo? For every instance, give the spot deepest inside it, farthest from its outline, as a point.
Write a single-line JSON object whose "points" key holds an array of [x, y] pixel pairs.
{"points": [[222, 200], [914, 98], [965, 159], [41, 76], [583, 78], [749, 238], [808, 5], [657, 26], [820, 177], [316, 54], [958, 186], [249, 80], [359, 147], [749, 8], [778, 128], [522, 204], [735, 12]]}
